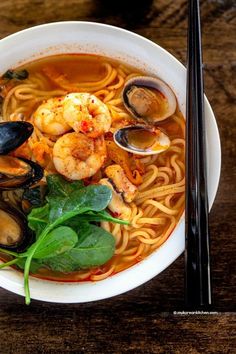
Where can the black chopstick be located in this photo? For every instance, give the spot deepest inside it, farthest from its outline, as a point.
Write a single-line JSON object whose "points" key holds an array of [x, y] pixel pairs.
{"points": [[197, 248]]}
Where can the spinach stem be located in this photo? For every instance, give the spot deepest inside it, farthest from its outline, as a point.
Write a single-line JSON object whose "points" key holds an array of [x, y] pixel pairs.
{"points": [[34, 248], [28, 262], [13, 261], [11, 253]]}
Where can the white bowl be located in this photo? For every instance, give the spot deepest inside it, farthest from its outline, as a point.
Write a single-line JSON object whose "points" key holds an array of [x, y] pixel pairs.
{"points": [[85, 37]]}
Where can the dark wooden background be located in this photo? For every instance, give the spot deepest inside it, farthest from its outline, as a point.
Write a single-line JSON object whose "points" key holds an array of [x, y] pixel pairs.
{"points": [[142, 321]]}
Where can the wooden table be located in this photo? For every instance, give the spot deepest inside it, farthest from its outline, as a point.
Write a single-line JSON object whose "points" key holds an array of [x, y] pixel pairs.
{"points": [[142, 321]]}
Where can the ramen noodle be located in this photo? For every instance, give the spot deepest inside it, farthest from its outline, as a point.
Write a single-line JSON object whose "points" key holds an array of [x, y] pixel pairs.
{"points": [[158, 179]]}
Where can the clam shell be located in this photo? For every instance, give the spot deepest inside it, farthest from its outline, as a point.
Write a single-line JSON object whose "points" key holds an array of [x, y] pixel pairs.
{"points": [[143, 82], [159, 143]]}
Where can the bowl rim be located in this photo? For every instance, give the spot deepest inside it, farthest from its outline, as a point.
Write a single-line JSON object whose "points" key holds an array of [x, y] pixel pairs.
{"points": [[48, 293]]}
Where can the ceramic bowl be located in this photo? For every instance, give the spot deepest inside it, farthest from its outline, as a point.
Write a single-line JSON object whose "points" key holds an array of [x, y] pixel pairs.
{"points": [[113, 42]]}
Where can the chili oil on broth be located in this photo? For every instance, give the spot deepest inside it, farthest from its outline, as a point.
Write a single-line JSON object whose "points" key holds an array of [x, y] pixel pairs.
{"points": [[159, 204]]}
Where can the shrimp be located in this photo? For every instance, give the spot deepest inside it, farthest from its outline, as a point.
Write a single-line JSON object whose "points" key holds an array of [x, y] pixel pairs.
{"points": [[49, 119], [77, 156], [85, 113]]}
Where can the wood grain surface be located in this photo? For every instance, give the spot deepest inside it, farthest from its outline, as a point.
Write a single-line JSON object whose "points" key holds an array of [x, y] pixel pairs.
{"points": [[143, 321]]}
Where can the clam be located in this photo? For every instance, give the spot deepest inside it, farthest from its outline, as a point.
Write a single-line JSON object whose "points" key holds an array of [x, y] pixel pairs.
{"points": [[15, 234], [142, 140], [17, 172], [13, 135], [149, 99]]}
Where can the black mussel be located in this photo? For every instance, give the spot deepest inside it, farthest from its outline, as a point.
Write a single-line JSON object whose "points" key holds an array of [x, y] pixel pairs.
{"points": [[16, 172], [13, 135], [33, 197], [14, 234]]}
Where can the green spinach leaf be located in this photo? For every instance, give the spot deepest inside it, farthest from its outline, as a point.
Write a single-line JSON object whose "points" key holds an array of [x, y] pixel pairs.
{"points": [[58, 241], [59, 187], [38, 219], [90, 198], [94, 248], [91, 216], [35, 264]]}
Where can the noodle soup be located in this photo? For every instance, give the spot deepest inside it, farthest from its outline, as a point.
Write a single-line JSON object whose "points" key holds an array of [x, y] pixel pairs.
{"points": [[155, 182]]}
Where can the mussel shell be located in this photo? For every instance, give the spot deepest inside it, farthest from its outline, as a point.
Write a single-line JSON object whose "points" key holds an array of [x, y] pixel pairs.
{"points": [[13, 135], [149, 83], [121, 138], [34, 174], [12, 166], [26, 236], [33, 197]]}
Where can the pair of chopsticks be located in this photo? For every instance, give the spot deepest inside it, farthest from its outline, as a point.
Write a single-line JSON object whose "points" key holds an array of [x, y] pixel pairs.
{"points": [[197, 253]]}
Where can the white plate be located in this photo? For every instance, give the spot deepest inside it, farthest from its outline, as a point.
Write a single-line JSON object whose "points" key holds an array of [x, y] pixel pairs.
{"points": [[86, 37]]}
